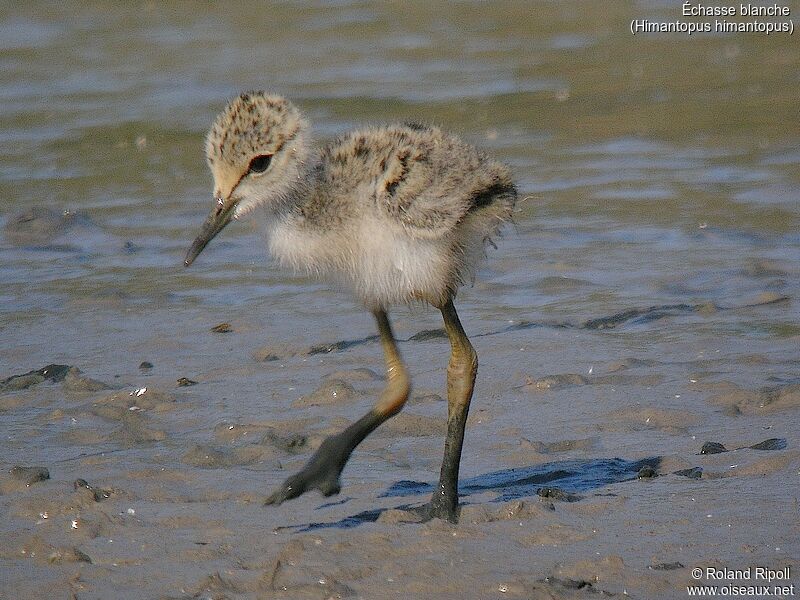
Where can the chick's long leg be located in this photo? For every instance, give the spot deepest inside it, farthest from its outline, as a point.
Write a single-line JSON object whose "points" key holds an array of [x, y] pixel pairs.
{"points": [[461, 372], [322, 471]]}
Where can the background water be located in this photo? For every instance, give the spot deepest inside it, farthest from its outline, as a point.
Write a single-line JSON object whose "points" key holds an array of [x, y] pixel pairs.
{"points": [[653, 170]]}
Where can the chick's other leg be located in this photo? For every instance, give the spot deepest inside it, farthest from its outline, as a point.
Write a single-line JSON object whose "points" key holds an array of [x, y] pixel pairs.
{"points": [[461, 372], [322, 471]]}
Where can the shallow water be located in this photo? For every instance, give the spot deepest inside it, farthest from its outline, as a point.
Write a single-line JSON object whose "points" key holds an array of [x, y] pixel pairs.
{"points": [[658, 173]]}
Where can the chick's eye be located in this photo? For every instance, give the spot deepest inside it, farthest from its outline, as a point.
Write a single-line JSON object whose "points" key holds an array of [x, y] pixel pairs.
{"points": [[260, 163]]}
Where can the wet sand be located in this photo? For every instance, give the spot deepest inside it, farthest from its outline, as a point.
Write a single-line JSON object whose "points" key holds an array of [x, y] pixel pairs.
{"points": [[612, 494], [637, 403]]}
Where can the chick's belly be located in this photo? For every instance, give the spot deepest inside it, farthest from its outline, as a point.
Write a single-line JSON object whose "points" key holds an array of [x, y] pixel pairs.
{"points": [[396, 269]]}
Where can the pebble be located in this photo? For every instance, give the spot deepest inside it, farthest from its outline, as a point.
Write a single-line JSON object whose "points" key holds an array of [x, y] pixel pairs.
{"points": [[712, 448], [30, 475]]}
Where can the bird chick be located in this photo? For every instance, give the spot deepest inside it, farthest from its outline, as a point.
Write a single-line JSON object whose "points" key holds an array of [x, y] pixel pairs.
{"points": [[398, 213]]}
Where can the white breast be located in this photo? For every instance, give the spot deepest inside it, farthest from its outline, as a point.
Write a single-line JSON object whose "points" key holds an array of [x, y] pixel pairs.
{"points": [[380, 262]]}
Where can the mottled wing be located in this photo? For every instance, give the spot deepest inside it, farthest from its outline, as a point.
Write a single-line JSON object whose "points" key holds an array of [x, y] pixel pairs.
{"points": [[430, 180]]}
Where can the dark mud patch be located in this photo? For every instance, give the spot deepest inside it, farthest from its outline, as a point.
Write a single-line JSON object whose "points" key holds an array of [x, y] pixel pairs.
{"points": [[53, 372], [72, 378], [28, 476], [647, 472], [691, 472], [770, 444], [712, 448], [84, 487]]}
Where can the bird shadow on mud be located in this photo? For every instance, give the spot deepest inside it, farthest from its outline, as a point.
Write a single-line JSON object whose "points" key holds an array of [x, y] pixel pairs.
{"points": [[560, 480]]}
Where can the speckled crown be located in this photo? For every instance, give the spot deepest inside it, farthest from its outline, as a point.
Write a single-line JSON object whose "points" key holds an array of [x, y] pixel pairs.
{"points": [[253, 122]]}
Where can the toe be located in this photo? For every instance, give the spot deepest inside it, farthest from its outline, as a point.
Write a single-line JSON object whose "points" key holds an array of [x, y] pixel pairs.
{"points": [[330, 487], [291, 488], [275, 498]]}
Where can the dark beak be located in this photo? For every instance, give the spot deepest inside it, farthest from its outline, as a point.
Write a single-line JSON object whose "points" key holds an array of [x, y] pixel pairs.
{"points": [[216, 221]]}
